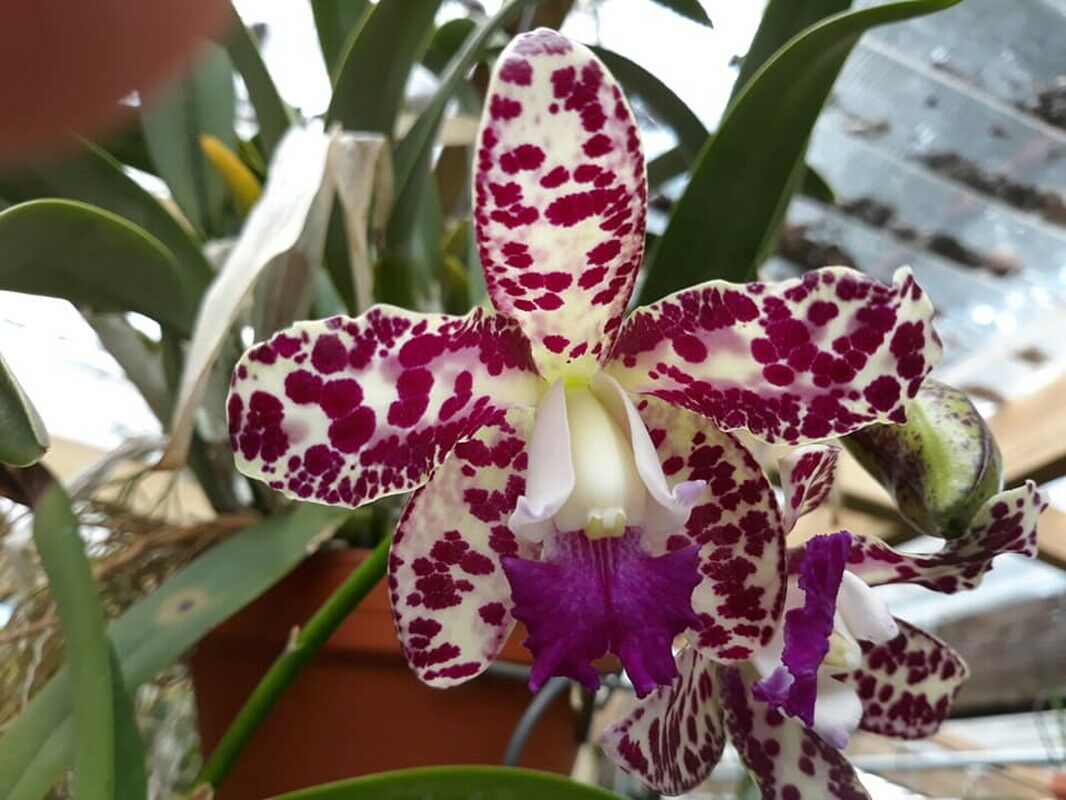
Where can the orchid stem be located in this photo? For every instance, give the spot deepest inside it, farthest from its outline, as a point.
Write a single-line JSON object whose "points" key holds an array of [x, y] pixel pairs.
{"points": [[298, 652]]}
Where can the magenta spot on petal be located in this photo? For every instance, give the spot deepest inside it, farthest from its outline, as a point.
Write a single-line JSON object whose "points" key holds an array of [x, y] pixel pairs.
{"points": [[882, 393], [303, 387], [517, 71], [689, 348], [351, 432], [338, 397], [329, 355]]}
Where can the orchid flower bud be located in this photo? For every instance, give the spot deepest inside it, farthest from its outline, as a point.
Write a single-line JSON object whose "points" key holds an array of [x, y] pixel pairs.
{"points": [[940, 465]]}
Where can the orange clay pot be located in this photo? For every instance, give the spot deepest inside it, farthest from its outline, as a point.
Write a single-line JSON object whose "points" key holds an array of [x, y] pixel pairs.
{"points": [[356, 708]]}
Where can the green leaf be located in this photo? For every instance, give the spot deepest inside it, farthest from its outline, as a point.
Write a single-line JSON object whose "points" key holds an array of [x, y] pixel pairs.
{"points": [[155, 632], [722, 219], [420, 138], [817, 187], [273, 115], [412, 212], [131, 774], [690, 9], [92, 175], [91, 257], [446, 41], [336, 21], [940, 466], [454, 783], [659, 99], [23, 437], [368, 90], [201, 102], [782, 20], [55, 532]]}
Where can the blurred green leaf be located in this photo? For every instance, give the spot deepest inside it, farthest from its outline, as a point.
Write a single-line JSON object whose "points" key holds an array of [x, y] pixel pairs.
{"points": [[782, 20], [659, 99], [55, 532], [273, 115], [446, 41], [201, 102], [368, 90], [91, 257], [127, 146], [156, 631], [23, 437], [419, 140], [408, 248], [454, 783], [131, 774], [690, 9], [816, 187], [718, 227], [336, 22], [91, 175], [940, 466]]}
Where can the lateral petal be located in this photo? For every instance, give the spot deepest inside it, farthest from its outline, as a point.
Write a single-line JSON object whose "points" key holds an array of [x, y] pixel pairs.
{"points": [[343, 411], [796, 361]]}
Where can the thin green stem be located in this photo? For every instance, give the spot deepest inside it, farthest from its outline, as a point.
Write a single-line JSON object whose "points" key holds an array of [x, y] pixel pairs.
{"points": [[289, 664]]}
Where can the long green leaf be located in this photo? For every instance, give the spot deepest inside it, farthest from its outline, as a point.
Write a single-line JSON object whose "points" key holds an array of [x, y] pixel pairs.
{"points": [[273, 115], [420, 138], [155, 632], [335, 21], [91, 257], [55, 532], [721, 221], [23, 437], [368, 91], [131, 774], [660, 100], [454, 783], [690, 9], [92, 175], [200, 103], [782, 20]]}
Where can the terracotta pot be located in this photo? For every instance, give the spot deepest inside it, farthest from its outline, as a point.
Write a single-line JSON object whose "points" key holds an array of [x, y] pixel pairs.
{"points": [[356, 708]]}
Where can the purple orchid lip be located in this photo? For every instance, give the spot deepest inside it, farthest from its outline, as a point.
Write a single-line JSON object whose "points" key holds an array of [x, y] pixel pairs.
{"points": [[793, 687], [590, 597]]}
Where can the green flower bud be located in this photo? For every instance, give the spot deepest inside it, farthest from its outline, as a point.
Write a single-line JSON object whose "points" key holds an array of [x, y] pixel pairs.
{"points": [[940, 466]]}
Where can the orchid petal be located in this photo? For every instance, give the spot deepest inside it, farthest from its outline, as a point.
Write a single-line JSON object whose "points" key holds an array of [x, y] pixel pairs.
{"points": [[343, 411], [551, 476], [820, 355], [672, 739], [737, 524], [807, 475], [865, 615], [588, 597], [785, 759], [907, 685], [1006, 523], [837, 712], [794, 686], [450, 598], [559, 199], [671, 506]]}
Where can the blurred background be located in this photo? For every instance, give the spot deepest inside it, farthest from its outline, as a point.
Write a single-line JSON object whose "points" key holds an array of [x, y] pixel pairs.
{"points": [[944, 141]]}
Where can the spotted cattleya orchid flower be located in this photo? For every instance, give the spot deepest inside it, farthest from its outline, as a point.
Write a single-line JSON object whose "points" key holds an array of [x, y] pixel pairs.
{"points": [[839, 662], [570, 461]]}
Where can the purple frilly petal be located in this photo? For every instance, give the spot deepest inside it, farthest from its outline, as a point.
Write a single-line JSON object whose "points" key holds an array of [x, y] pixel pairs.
{"points": [[588, 597], [792, 687]]}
